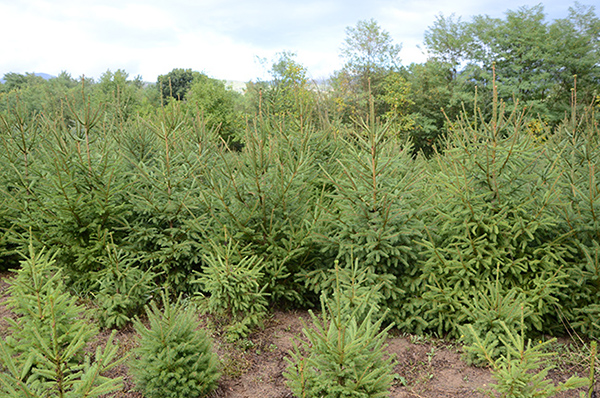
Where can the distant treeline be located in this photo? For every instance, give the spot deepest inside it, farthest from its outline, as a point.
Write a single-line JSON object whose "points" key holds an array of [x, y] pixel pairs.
{"points": [[530, 62]]}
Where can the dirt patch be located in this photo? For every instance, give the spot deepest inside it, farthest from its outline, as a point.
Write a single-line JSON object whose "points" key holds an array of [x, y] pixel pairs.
{"points": [[254, 368], [434, 369], [427, 368]]}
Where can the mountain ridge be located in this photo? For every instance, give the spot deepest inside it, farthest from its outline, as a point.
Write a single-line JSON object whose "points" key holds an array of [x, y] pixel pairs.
{"points": [[45, 76]]}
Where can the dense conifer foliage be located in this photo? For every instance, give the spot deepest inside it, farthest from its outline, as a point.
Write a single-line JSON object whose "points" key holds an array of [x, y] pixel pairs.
{"points": [[460, 216], [361, 197], [505, 216]]}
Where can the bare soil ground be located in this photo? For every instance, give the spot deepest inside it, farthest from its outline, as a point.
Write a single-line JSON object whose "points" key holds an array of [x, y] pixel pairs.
{"points": [[428, 367]]}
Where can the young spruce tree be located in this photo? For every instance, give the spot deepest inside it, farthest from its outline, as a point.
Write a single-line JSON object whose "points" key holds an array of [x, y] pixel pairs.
{"points": [[344, 353], [373, 216], [265, 195], [44, 355], [492, 220], [577, 148], [234, 281], [522, 371], [175, 357]]}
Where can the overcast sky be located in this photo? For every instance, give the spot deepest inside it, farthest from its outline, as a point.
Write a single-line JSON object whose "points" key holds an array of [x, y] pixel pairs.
{"points": [[222, 38]]}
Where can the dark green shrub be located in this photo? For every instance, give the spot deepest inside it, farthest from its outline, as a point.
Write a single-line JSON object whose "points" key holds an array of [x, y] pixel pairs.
{"points": [[175, 357]]}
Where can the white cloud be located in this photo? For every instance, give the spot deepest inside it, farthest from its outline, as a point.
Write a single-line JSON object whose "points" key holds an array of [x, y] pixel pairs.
{"points": [[220, 37]]}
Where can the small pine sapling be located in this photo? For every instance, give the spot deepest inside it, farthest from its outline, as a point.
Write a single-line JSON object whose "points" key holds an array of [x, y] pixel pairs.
{"points": [[361, 289], [343, 356], [486, 312], [45, 353], [522, 372], [124, 289], [174, 358], [234, 283]]}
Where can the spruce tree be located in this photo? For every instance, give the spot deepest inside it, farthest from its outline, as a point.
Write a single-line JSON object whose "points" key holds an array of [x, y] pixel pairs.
{"points": [[372, 216], [522, 371], [576, 146], [44, 355], [19, 139], [123, 288], [78, 197], [174, 358], [163, 198], [265, 197], [234, 281], [492, 218], [343, 355]]}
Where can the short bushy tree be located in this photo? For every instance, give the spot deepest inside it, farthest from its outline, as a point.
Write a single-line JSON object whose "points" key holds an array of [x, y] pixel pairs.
{"points": [[175, 357], [486, 312], [176, 83]]}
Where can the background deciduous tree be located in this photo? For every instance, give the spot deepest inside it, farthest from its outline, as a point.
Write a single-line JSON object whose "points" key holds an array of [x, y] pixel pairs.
{"points": [[289, 92], [176, 83], [122, 94], [535, 61], [217, 106], [369, 50], [370, 56]]}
